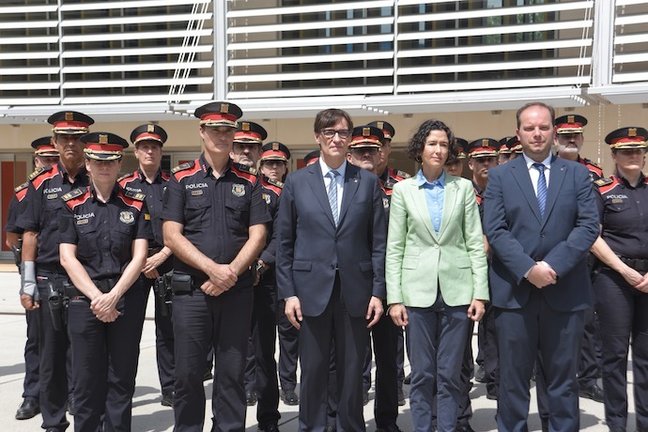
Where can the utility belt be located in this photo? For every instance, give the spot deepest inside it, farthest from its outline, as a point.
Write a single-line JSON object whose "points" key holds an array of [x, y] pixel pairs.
{"points": [[52, 290], [104, 285], [639, 264]]}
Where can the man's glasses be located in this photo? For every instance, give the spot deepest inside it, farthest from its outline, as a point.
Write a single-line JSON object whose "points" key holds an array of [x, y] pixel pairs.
{"points": [[342, 133]]}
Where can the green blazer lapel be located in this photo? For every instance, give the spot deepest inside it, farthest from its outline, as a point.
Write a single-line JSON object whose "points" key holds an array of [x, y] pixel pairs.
{"points": [[420, 202], [449, 203]]}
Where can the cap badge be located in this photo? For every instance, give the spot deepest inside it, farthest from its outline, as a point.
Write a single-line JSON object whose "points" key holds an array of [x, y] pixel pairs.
{"points": [[380, 125], [570, 119], [224, 108], [103, 139], [238, 190], [632, 132], [485, 142], [275, 146], [150, 128], [69, 116], [366, 132], [245, 126]]}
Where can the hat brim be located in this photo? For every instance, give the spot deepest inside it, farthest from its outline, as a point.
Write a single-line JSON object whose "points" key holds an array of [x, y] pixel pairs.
{"points": [[219, 123], [101, 156], [273, 158]]}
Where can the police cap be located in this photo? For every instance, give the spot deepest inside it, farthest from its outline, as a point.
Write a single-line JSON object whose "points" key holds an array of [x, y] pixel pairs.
{"points": [[70, 122], [218, 114], [148, 132], [503, 147], [570, 124], [515, 145], [43, 147], [461, 146], [249, 132], [483, 147], [387, 129], [274, 151], [627, 138], [104, 146], [311, 157], [366, 136]]}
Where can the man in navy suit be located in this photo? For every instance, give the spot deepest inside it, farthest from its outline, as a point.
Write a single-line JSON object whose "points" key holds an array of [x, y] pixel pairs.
{"points": [[330, 263], [540, 231]]}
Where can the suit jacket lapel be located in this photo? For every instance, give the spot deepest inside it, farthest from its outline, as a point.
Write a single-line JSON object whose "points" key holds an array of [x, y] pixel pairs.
{"points": [[316, 183], [521, 176], [420, 202], [449, 199], [351, 180], [556, 177]]}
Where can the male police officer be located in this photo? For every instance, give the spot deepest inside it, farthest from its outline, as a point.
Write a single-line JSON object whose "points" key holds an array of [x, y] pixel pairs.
{"points": [[43, 274], [214, 223], [151, 181], [45, 154]]}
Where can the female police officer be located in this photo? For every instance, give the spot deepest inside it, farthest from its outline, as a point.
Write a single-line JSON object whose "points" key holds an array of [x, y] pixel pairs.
{"points": [[621, 282], [103, 248]]}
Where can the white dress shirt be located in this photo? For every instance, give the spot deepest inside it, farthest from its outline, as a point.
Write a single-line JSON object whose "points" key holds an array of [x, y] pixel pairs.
{"points": [[339, 179]]}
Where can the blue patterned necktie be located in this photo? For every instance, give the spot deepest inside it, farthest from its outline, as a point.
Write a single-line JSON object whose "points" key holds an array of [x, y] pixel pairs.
{"points": [[542, 187], [332, 194]]}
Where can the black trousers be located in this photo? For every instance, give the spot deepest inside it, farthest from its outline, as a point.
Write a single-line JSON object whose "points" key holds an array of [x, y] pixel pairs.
{"points": [[201, 322], [53, 348], [31, 387], [288, 349], [264, 333], [317, 335], [164, 342], [385, 346], [106, 357], [623, 316]]}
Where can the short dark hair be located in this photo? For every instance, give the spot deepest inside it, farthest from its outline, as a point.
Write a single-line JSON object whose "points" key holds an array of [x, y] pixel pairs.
{"points": [[416, 144], [328, 117], [524, 107]]}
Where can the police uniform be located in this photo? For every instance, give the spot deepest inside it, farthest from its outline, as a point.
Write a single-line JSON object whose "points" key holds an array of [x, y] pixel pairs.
{"points": [[216, 214], [384, 333], [136, 182], [573, 124], [621, 309], [503, 150], [43, 204], [266, 311], [515, 146], [311, 157]]}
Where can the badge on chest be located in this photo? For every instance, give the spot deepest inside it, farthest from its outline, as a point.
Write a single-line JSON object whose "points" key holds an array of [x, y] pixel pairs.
{"points": [[238, 190], [127, 217]]}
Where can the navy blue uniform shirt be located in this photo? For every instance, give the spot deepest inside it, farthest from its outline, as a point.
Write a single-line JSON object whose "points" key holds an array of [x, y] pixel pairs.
{"points": [[216, 213], [103, 232]]}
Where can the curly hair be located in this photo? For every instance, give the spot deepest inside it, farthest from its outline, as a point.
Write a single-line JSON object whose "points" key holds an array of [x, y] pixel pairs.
{"points": [[416, 144]]}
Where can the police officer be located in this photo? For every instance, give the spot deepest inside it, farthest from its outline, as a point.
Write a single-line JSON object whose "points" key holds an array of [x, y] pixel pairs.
{"points": [[569, 142], [515, 146], [214, 223], [364, 147], [104, 237], [389, 177], [246, 150], [273, 167], [150, 180], [41, 258], [455, 166], [621, 281], [503, 151], [44, 155]]}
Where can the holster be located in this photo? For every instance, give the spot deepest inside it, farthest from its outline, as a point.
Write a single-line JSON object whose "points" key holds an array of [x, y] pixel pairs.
{"points": [[181, 284]]}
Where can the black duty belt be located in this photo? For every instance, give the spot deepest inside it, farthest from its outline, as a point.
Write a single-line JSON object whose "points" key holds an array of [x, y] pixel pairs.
{"points": [[639, 264]]}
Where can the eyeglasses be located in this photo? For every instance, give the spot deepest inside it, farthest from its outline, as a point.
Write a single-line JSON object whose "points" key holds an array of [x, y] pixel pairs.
{"points": [[342, 133]]}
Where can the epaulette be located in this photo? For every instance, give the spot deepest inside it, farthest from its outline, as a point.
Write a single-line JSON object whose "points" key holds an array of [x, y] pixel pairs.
{"points": [[132, 199], [606, 184], [36, 173], [183, 167], [592, 167], [40, 175], [186, 169], [244, 172], [125, 176], [273, 185], [76, 197], [21, 187], [402, 174]]}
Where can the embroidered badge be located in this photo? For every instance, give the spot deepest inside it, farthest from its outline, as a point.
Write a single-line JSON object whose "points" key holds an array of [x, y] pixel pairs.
{"points": [[127, 217], [197, 192], [238, 190], [266, 198], [386, 202], [82, 221]]}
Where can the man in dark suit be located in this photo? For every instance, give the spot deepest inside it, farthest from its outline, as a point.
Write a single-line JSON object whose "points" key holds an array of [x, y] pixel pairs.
{"points": [[330, 270], [540, 231]]}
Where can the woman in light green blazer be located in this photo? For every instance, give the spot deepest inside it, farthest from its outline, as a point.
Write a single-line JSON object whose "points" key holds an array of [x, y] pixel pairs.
{"points": [[436, 273]]}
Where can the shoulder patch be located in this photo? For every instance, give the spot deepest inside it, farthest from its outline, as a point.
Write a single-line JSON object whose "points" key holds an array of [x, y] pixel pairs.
{"points": [[72, 194], [603, 182], [36, 173], [606, 184], [21, 187], [277, 183], [186, 169], [76, 197], [40, 175], [184, 166], [246, 173], [132, 199], [21, 191], [126, 178], [403, 174], [272, 185]]}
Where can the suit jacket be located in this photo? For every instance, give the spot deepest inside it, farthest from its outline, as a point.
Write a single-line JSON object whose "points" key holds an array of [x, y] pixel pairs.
{"points": [[310, 248], [519, 236], [419, 259]]}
